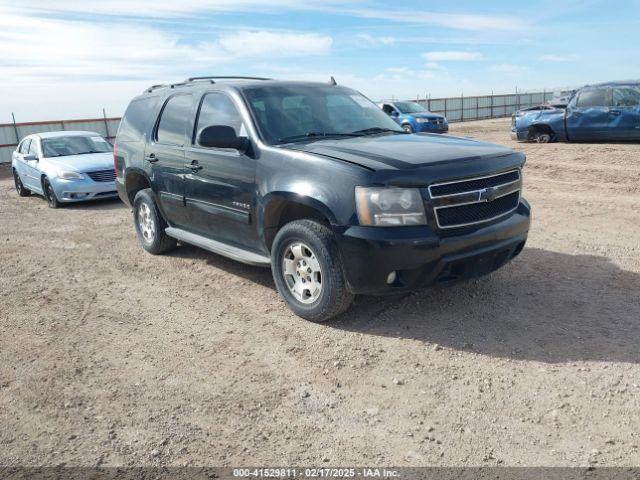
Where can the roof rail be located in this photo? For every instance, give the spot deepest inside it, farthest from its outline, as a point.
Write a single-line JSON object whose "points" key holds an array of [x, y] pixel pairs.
{"points": [[192, 79]]}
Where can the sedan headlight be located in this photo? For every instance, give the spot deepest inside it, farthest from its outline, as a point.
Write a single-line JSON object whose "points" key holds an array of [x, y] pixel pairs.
{"points": [[390, 207], [69, 175], [422, 120]]}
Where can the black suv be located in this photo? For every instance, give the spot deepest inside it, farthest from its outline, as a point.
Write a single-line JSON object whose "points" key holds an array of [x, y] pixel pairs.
{"points": [[315, 181]]}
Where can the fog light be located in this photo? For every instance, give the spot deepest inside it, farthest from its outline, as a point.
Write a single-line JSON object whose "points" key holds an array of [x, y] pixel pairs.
{"points": [[391, 278]]}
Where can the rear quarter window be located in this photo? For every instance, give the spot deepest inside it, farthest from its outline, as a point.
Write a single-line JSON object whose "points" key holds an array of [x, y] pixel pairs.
{"points": [[136, 120]]}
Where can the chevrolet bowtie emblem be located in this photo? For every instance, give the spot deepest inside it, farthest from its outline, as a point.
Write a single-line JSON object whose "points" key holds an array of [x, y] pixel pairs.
{"points": [[488, 194]]}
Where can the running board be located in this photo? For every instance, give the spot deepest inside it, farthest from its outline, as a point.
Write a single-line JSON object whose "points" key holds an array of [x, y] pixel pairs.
{"points": [[220, 248]]}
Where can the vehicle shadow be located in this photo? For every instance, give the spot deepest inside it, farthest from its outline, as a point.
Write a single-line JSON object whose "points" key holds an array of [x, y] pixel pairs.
{"points": [[103, 204], [544, 306]]}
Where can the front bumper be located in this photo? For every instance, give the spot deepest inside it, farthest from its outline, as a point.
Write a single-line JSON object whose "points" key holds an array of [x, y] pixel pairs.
{"points": [[421, 257], [69, 191], [431, 128]]}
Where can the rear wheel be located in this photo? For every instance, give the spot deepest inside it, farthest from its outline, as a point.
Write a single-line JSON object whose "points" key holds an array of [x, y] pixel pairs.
{"points": [[22, 191], [50, 194], [307, 271], [150, 226]]}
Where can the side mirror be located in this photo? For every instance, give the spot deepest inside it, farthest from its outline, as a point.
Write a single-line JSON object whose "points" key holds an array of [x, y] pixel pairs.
{"points": [[221, 136], [29, 157], [394, 113]]}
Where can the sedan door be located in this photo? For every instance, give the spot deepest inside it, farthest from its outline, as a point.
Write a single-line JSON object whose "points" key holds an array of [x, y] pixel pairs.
{"points": [[220, 182], [588, 117], [165, 154]]}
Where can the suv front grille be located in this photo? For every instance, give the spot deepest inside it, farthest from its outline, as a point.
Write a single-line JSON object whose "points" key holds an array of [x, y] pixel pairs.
{"points": [[103, 175], [475, 200]]}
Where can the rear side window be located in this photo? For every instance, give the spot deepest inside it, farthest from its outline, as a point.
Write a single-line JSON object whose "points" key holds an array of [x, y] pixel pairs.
{"points": [[592, 98], [174, 118], [136, 119]]}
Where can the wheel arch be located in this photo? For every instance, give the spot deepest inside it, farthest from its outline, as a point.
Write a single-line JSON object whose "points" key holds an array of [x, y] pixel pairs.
{"points": [[281, 208], [134, 181]]}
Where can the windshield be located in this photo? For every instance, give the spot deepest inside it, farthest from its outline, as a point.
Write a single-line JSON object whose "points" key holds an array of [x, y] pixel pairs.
{"points": [[302, 112], [410, 107], [74, 145]]}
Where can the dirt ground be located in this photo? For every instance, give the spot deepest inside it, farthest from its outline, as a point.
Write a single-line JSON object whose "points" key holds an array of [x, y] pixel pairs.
{"points": [[111, 356]]}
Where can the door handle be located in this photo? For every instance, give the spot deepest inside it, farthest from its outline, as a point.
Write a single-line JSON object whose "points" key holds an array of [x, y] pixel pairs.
{"points": [[151, 158], [194, 166], [615, 112]]}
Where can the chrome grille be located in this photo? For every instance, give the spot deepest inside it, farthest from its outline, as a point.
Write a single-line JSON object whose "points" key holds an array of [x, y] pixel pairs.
{"points": [[103, 175], [475, 200]]}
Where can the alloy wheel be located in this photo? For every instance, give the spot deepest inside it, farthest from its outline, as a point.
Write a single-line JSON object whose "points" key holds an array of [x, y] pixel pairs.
{"points": [[302, 272], [146, 223]]}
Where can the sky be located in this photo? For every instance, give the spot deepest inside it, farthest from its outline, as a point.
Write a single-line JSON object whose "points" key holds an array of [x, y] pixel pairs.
{"points": [[66, 59]]}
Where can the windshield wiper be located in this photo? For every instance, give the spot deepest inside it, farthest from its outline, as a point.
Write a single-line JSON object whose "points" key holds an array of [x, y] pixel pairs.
{"points": [[375, 130], [306, 136]]}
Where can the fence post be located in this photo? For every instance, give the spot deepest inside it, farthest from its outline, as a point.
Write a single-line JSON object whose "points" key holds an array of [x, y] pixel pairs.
{"points": [[517, 98], [492, 114], [445, 107], [15, 128], [106, 124], [429, 103], [462, 107], [477, 109]]}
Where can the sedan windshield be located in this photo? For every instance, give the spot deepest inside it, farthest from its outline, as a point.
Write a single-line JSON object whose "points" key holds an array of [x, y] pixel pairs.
{"points": [[67, 145], [410, 107], [313, 112]]}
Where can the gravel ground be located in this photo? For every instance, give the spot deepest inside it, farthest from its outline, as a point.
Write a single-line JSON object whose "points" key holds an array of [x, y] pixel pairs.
{"points": [[111, 356]]}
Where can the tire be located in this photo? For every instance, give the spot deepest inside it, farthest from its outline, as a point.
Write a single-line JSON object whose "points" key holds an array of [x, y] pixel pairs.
{"points": [[307, 271], [407, 128], [541, 136], [50, 194], [150, 225], [20, 188]]}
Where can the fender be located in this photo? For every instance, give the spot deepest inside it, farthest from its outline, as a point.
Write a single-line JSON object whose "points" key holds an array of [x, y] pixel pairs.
{"points": [[297, 198]]}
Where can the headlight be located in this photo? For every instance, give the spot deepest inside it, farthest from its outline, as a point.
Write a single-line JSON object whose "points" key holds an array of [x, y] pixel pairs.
{"points": [[389, 207], [69, 175], [422, 120]]}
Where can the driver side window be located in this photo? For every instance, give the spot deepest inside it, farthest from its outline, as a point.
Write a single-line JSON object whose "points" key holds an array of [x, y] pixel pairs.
{"points": [[24, 146], [218, 109], [33, 148]]}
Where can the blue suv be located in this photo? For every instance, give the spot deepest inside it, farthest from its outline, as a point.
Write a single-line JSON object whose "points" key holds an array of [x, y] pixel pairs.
{"points": [[413, 117]]}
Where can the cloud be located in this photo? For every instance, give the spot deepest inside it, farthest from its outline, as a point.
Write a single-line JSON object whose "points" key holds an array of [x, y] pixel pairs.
{"points": [[35, 48], [447, 20], [508, 68], [451, 55], [257, 43], [368, 40]]}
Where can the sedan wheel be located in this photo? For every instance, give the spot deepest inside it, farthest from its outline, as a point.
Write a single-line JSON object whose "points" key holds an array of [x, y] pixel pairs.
{"points": [[49, 194], [407, 128], [23, 192]]}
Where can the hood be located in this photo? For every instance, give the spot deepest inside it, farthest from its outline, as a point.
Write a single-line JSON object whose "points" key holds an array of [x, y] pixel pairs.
{"points": [[429, 115], [417, 160], [403, 152], [83, 163]]}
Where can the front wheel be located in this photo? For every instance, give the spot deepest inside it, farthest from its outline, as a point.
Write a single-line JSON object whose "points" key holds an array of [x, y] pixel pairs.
{"points": [[407, 128], [50, 194], [150, 226], [307, 271], [22, 191]]}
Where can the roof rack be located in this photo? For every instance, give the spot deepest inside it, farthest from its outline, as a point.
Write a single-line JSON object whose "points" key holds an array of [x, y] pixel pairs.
{"points": [[190, 80], [193, 79]]}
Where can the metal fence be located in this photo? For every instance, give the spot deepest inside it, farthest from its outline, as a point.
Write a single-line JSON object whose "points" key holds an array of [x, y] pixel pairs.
{"points": [[12, 133], [460, 109]]}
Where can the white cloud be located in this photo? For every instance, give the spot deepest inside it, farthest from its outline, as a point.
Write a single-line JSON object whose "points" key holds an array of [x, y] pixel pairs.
{"points": [[368, 40], [452, 55], [508, 68], [257, 43], [447, 20]]}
